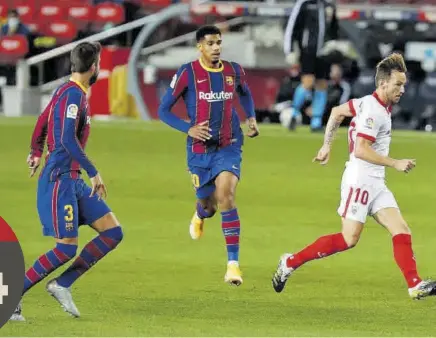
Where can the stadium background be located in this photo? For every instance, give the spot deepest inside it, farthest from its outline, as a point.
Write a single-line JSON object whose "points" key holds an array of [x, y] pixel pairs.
{"points": [[159, 283]]}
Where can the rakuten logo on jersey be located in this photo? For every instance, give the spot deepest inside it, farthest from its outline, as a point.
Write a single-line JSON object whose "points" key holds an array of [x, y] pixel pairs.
{"points": [[215, 97]]}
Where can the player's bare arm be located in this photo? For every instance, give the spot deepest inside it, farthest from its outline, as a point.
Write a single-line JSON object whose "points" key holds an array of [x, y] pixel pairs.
{"points": [[365, 152], [338, 114]]}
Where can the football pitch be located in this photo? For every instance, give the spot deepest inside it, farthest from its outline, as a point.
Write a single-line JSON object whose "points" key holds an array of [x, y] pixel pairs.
{"points": [[159, 282]]}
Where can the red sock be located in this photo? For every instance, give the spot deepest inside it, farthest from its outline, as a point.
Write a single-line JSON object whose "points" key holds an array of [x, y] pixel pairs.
{"points": [[405, 259], [322, 247]]}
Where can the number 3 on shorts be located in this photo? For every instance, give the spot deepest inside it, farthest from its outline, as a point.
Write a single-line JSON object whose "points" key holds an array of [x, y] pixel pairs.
{"points": [[195, 180], [69, 210]]}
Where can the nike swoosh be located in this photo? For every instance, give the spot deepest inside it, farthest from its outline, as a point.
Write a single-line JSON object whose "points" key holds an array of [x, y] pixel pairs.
{"points": [[201, 81]]}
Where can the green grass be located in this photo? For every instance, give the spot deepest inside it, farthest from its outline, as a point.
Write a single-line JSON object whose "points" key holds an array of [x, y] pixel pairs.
{"points": [[161, 283]]}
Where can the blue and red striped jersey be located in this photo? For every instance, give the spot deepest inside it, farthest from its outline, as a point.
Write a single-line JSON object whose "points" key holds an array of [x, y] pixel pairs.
{"points": [[209, 95], [65, 125]]}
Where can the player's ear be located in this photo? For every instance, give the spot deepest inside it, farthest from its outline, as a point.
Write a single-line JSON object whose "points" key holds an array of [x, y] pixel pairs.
{"points": [[200, 46]]}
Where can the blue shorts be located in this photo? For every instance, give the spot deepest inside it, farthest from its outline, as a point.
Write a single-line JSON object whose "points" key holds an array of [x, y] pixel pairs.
{"points": [[64, 205], [204, 168]]}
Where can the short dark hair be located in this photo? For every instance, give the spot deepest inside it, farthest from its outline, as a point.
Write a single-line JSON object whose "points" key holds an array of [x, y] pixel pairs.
{"points": [[13, 12], [389, 64], [206, 30], [83, 56]]}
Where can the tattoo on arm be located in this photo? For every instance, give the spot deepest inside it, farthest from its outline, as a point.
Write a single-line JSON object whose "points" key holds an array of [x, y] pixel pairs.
{"points": [[331, 129]]}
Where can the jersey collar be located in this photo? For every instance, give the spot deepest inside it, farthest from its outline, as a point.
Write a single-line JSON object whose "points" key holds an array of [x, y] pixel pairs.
{"points": [[214, 70], [81, 86], [379, 100]]}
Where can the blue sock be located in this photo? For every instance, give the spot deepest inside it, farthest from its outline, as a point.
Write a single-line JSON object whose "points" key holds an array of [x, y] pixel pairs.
{"points": [[318, 108], [95, 250], [300, 96], [231, 229], [47, 263], [202, 213]]}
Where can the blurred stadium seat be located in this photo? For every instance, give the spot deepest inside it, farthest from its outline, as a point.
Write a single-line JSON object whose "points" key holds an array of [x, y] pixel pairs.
{"points": [[13, 48]]}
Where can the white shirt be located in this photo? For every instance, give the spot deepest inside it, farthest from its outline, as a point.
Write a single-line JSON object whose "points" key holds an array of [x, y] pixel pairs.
{"points": [[372, 121]]}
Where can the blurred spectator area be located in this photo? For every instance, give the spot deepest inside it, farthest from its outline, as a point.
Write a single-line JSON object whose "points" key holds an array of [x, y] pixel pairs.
{"points": [[45, 24], [389, 2]]}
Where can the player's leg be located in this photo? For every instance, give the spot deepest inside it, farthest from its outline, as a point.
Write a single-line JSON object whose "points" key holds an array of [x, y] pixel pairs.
{"points": [[353, 213], [206, 205], [57, 208], [226, 183], [323, 247], [387, 214], [226, 171], [205, 208], [97, 214], [58, 211]]}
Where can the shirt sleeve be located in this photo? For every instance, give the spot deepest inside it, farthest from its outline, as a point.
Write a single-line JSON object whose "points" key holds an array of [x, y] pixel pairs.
{"points": [[178, 86], [69, 120], [40, 132], [244, 92], [367, 122]]}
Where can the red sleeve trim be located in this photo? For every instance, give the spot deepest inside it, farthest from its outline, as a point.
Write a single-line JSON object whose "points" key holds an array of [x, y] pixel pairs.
{"points": [[366, 137], [350, 104]]}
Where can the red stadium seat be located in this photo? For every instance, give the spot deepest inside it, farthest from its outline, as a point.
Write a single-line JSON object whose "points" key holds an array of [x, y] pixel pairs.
{"points": [[156, 3], [3, 10], [52, 11], [64, 31], [109, 12], [13, 48], [26, 12], [81, 14], [34, 26]]}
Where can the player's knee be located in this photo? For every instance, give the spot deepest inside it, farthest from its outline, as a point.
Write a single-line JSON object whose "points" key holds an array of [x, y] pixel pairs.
{"points": [[351, 238], [69, 250], [115, 233], [211, 209], [400, 228], [226, 201]]}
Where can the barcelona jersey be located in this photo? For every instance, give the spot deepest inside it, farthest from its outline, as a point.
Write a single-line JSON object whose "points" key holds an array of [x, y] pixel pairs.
{"points": [[209, 95]]}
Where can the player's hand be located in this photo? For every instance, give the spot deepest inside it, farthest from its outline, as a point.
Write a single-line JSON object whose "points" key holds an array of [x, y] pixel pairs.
{"points": [[33, 163], [253, 129], [98, 187], [323, 155], [200, 131], [405, 165]]}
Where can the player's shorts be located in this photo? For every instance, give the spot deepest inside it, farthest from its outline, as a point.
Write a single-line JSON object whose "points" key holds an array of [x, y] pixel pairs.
{"points": [[312, 64], [204, 168], [64, 205], [366, 199]]}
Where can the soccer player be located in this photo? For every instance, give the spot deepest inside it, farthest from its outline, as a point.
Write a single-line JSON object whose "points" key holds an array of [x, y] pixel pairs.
{"points": [[214, 143], [364, 191], [64, 200], [307, 26]]}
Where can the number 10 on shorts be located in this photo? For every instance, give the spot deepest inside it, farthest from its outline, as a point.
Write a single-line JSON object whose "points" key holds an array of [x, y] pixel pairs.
{"points": [[360, 196]]}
